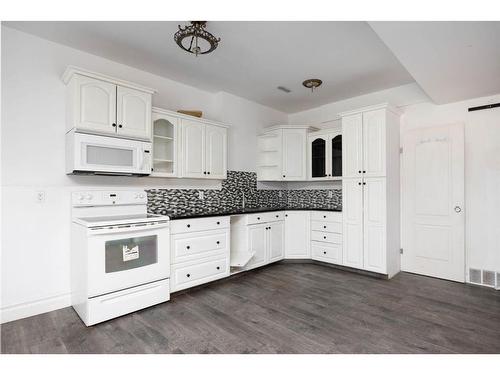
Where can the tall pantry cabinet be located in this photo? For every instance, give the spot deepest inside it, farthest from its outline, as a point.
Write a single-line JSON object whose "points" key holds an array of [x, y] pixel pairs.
{"points": [[370, 189]]}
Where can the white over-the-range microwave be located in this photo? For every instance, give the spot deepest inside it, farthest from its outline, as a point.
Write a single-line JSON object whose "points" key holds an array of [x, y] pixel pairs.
{"points": [[98, 154]]}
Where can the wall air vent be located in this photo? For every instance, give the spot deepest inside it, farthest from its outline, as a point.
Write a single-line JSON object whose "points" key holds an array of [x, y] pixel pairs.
{"points": [[284, 89], [474, 276], [489, 278]]}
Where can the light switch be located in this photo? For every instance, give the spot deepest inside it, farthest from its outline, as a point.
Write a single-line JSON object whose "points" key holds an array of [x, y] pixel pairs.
{"points": [[40, 197]]}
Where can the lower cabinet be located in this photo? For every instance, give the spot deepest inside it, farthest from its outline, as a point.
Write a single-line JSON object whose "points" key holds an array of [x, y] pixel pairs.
{"points": [[199, 251], [326, 237], [276, 241], [297, 235]]}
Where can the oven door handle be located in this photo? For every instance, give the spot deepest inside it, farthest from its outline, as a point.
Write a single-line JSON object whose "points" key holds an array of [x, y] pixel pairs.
{"points": [[127, 229]]}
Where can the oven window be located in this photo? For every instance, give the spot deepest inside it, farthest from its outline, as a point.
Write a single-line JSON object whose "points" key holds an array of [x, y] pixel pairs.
{"points": [[129, 253], [101, 155]]}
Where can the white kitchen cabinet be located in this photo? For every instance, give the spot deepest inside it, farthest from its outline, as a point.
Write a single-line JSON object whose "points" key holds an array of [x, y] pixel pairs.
{"points": [[297, 235], [325, 155], [193, 149], [204, 150], [200, 251], [257, 244], [100, 104], [165, 137], [282, 153], [352, 209], [326, 236], [257, 239], [133, 113], [216, 152], [370, 189], [276, 241]]}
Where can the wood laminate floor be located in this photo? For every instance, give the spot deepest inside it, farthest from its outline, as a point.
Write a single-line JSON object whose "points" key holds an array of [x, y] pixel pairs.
{"points": [[285, 308]]}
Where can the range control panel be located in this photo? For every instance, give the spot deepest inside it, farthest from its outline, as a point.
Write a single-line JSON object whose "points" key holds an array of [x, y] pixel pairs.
{"points": [[108, 198]]}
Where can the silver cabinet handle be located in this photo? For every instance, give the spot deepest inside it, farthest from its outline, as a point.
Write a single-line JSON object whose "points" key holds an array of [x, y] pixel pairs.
{"points": [[458, 209]]}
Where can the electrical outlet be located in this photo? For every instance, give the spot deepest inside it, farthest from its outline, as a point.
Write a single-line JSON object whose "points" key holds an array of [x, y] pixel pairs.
{"points": [[201, 195], [330, 194], [40, 196], [280, 194]]}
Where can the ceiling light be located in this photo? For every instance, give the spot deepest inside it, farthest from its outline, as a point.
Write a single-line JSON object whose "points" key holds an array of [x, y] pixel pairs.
{"points": [[195, 39], [312, 83]]}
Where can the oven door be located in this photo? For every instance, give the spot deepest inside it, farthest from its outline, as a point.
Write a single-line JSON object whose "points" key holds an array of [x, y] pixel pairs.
{"points": [[125, 257], [100, 154]]}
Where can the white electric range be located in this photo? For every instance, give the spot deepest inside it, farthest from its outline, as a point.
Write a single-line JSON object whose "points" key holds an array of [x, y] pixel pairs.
{"points": [[120, 254]]}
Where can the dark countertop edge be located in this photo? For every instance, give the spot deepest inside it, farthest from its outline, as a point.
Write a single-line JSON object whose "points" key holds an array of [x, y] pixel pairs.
{"points": [[251, 211]]}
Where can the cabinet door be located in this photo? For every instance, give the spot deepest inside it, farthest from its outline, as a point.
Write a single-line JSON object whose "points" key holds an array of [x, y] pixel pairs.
{"points": [[318, 157], [193, 149], [165, 129], [374, 143], [216, 152], [335, 155], [352, 206], [374, 225], [276, 241], [133, 113], [297, 235], [352, 128], [95, 105], [294, 155], [257, 242]]}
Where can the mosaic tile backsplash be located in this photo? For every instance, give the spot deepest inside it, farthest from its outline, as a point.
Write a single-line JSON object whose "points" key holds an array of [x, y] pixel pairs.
{"points": [[230, 197]]}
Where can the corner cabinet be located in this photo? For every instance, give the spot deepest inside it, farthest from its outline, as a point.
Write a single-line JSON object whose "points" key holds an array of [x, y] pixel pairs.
{"points": [[282, 153], [325, 155], [370, 189], [99, 104]]}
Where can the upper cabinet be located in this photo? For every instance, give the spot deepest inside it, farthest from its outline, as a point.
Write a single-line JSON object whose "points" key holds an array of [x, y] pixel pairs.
{"points": [[325, 155], [203, 149], [364, 149], [105, 105], [165, 139], [282, 154]]}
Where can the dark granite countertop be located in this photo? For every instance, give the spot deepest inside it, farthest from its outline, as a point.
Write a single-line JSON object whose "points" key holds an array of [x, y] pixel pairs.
{"points": [[192, 215]]}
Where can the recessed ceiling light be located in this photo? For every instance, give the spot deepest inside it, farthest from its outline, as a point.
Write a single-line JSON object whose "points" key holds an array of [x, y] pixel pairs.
{"points": [[312, 83], [284, 89]]}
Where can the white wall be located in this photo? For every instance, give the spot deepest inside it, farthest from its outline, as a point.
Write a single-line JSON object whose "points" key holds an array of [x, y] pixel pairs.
{"points": [[35, 242], [482, 156]]}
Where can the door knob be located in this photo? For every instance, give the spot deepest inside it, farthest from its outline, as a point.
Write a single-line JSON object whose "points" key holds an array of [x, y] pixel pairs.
{"points": [[458, 209]]}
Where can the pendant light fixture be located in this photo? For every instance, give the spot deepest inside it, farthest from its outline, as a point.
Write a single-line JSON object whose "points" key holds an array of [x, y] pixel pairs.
{"points": [[195, 39], [312, 83]]}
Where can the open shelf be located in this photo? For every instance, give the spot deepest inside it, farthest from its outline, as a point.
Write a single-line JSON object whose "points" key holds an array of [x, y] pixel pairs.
{"points": [[163, 137], [268, 166], [163, 160]]}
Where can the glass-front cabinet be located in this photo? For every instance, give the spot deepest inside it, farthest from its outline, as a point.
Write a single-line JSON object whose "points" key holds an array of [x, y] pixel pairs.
{"points": [[325, 150], [164, 144]]}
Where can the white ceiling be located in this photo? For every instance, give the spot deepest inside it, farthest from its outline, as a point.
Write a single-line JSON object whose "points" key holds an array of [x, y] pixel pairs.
{"points": [[253, 58], [451, 61]]}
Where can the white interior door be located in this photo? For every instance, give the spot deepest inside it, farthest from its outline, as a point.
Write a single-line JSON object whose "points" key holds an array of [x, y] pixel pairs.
{"points": [[433, 202], [215, 152]]}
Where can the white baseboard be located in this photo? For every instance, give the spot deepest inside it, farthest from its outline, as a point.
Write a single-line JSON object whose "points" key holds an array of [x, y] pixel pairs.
{"points": [[24, 310]]}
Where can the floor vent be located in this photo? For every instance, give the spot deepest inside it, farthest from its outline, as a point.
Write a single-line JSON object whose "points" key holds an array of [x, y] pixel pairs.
{"points": [[489, 278], [474, 276], [484, 278]]}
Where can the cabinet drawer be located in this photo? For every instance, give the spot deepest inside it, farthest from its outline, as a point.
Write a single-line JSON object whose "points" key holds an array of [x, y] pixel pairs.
{"points": [[331, 253], [265, 217], [326, 237], [111, 305], [327, 216], [326, 226], [189, 246], [199, 224], [190, 274]]}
